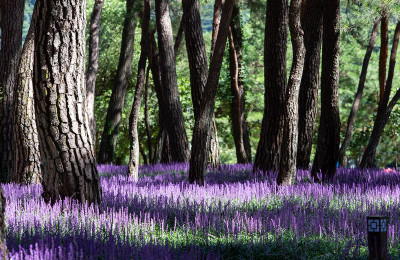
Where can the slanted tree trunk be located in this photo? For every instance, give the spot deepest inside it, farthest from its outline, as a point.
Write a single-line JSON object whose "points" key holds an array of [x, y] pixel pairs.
{"points": [[200, 140], [358, 96], [308, 98], [327, 153], [26, 168], [287, 164], [12, 16], [239, 126], [178, 38], [93, 64], [68, 162], [384, 109], [117, 100], [269, 146], [133, 119], [146, 115], [174, 121], [216, 21]]}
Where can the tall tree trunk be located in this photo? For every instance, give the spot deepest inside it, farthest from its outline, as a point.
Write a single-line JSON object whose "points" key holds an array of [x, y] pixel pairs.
{"points": [[178, 38], [239, 125], [308, 97], [358, 96], [68, 162], [93, 64], [327, 153], [162, 153], [383, 54], [26, 149], [200, 140], [12, 17], [117, 100], [287, 164], [146, 115], [218, 4], [133, 119], [174, 117], [269, 146], [384, 110]]}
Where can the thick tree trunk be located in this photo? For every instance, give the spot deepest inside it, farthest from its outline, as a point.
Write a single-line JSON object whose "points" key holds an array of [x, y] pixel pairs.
{"points": [[68, 162], [358, 96], [287, 164], [216, 21], [12, 16], [327, 153], [308, 97], [26, 168], [117, 100], [383, 54], [146, 115], [384, 110], [133, 119], [269, 146], [239, 126], [174, 117], [93, 64], [200, 140]]}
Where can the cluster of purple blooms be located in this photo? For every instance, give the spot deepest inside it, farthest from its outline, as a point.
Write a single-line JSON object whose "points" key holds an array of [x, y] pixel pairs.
{"points": [[236, 213]]}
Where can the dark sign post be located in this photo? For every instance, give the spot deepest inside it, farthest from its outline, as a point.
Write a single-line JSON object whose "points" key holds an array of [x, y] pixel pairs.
{"points": [[377, 237]]}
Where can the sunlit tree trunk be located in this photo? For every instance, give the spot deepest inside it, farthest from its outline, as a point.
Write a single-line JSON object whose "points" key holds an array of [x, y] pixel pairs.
{"points": [[12, 16], [26, 168], [174, 121], [287, 164], [327, 153], [117, 99], [133, 119], [68, 162], [93, 64], [269, 146]]}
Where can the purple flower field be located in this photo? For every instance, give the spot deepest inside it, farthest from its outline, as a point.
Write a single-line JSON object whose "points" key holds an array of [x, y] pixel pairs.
{"points": [[234, 216]]}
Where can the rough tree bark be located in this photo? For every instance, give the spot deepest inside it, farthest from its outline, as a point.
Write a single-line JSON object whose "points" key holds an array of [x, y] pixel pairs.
{"points": [[12, 16], [174, 117], [216, 21], [200, 141], [93, 64], [384, 109], [117, 100], [239, 126], [287, 164], [383, 54], [327, 153], [26, 168], [146, 115], [269, 146], [68, 162], [358, 96], [133, 164], [308, 98]]}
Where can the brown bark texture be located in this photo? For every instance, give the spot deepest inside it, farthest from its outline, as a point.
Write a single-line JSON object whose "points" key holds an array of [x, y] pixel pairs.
{"points": [[327, 153], [358, 96], [218, 4], [383, 54], [269, 146], [200, 140], [146, 115], [239, 126], [68, 162], [117, 99], [133, 164], [12, 16], [384, 109], [93, 63], [287, 164], [308, 97], [174, 121], [26, 168]]}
